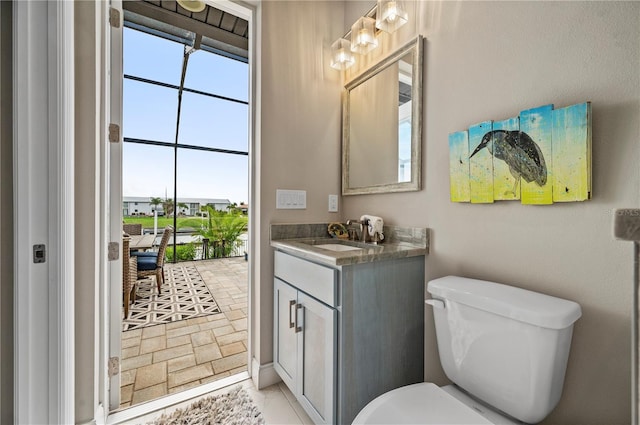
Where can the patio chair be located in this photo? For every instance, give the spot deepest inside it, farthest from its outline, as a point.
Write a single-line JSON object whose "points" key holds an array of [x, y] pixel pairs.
{"points": [[129, 276], [132, 228], [153, 265]]}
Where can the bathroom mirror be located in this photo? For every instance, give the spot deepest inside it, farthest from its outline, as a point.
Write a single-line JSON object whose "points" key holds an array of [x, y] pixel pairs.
{"points": [[382, 125]]}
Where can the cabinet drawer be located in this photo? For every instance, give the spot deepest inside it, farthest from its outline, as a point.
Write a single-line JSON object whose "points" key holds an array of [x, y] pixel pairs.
{"points": [[318, 281]]}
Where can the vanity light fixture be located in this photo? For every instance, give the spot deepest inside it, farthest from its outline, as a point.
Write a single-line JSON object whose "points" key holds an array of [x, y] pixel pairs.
{"points": [[386, 15], [341, 55], [391, 15], [363, 37]]}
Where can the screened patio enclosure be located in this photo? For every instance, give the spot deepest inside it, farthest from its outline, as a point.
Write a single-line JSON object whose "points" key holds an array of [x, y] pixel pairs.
{"points": [[185, 126]]}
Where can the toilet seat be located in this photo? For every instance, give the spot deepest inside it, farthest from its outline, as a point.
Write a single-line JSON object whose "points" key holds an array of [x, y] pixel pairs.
{"points": [[423, 403]]}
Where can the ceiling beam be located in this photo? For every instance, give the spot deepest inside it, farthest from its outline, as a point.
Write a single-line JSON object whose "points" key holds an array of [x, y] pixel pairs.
{"points": [[236, 42]]}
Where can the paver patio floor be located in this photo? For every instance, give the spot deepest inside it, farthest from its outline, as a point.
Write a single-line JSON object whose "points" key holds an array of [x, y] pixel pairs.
{"points": [[164, 359]]}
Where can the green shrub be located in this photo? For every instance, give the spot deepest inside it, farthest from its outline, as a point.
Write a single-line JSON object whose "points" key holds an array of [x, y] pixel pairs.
{"points": [[185, 252], [223, 230]]}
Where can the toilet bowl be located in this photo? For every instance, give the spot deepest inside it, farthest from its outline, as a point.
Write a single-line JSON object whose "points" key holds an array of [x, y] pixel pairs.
{"points": [[504, 345], [426, 403]]}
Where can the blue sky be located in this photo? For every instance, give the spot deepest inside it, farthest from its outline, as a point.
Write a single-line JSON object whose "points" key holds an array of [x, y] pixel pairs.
{"points": [[150, 111]]}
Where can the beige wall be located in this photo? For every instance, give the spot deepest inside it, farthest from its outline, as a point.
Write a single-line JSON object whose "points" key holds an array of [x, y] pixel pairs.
{"points": [[6, 216], [87, 220], [489, 60], [478, 66], [300, 132]]}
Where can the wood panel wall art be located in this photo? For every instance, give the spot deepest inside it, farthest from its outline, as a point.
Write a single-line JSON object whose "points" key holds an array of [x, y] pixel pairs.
{"points": [[540, 157]]}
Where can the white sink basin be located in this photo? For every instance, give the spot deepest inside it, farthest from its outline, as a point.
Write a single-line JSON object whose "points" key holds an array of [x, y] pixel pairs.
{"points": [[337, 247]]}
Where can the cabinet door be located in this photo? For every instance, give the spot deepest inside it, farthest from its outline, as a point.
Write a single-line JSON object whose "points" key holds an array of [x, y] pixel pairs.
{"points": [[285, 339], [317, 358]]}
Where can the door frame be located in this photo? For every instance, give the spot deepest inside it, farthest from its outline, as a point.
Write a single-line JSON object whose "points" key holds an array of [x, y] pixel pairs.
{"points": [[111, 194], [112, 218], [43, 187]]}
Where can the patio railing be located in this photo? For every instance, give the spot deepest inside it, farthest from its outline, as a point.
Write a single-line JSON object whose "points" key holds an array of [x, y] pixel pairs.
{"points": [[219, 249], [191, 247]]}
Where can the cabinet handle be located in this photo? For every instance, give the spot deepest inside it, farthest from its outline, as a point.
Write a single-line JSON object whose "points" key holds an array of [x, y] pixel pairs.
{"points": [[291, 304], [299, 307]]}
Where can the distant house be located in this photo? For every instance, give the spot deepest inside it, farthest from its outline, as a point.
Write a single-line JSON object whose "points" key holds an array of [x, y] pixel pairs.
{"points": [[135, 205]]}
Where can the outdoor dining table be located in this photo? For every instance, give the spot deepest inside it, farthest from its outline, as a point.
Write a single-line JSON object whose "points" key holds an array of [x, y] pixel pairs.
{"points": [[141, 242]]}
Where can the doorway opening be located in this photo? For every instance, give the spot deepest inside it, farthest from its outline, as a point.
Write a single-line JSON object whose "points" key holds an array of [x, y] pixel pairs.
{"points": [[185, 170]]}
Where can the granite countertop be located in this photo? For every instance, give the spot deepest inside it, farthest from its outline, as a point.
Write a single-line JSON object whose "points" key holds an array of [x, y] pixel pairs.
{"points": [[301, 240]]}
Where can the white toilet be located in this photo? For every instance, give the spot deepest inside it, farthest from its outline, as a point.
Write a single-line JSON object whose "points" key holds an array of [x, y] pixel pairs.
{"points": [[505, 349]]}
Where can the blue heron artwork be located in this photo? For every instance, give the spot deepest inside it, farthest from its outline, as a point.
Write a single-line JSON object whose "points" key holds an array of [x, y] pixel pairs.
{"points": [[519, 152], [540, 157]]}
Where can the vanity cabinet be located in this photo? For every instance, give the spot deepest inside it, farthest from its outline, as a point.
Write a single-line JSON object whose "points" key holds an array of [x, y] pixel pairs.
{"points": [[305, 337], [345, 334], [306, 350]]}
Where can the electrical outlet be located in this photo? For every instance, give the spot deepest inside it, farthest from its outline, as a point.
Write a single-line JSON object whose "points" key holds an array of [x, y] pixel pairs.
{"points": [[333, 203]]}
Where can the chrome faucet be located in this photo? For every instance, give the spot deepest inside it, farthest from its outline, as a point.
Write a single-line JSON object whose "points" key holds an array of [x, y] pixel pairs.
{"points": [[364, 229]]}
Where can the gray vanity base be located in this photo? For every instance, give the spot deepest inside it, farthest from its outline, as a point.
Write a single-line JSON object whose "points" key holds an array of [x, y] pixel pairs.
{"points": [[379, 329]]}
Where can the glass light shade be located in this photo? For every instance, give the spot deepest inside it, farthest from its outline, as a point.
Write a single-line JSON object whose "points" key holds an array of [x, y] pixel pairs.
{"points": [[363, 38], [341, 56], [390, 15]]}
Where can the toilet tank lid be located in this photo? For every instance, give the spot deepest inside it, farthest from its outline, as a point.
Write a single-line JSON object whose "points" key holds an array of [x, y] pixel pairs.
{"points": [[516, 303]]}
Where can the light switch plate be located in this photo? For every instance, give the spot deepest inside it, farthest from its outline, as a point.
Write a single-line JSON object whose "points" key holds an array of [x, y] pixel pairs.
{"points": [[333, 203], [291, 199]]}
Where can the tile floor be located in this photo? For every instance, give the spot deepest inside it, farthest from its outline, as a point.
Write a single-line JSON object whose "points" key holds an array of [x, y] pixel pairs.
{"points": [[277, 404], [164, 359]]}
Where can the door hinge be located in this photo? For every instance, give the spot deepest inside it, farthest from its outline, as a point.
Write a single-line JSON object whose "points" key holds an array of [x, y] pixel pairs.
{"points": [[114, 133], [114, 17], [113, 251], [114, 366]]}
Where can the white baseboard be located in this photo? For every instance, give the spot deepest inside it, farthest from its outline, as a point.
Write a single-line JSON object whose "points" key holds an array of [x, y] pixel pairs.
{"points": [[263, 375]]}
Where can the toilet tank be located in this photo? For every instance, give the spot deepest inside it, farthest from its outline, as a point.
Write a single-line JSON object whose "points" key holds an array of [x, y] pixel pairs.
{"points": [[504, 345]]}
